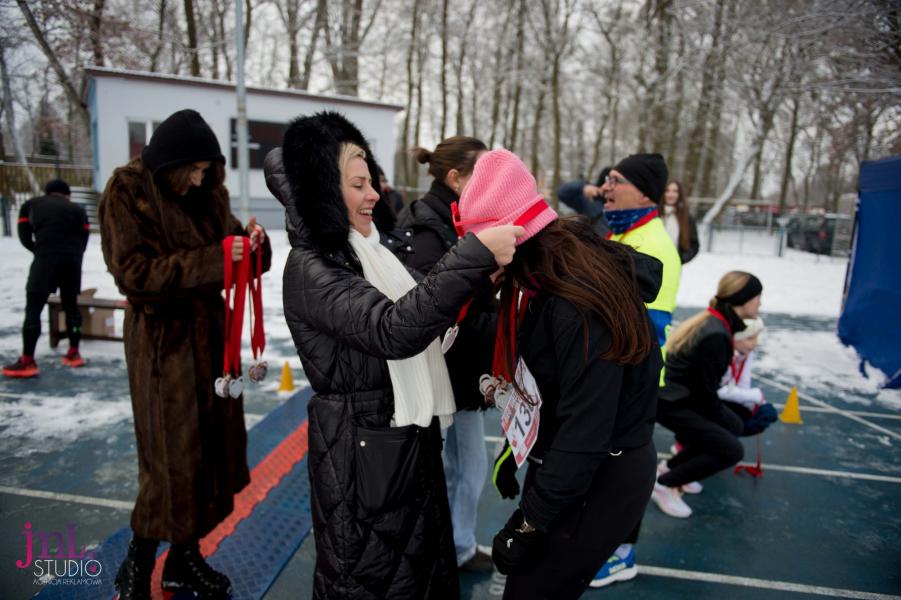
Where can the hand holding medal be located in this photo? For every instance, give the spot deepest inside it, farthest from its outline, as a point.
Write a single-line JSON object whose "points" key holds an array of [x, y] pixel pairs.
{"points": [[237, 251]]}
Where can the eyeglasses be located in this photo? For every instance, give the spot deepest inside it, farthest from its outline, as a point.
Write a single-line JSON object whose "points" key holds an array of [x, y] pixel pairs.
{"points": [[613, 180]]}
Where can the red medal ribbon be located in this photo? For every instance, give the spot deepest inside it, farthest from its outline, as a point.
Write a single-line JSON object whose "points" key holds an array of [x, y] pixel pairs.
{"points": [[737, 371], [499, 367], [234, 315], [720, 316], [257, 335]]}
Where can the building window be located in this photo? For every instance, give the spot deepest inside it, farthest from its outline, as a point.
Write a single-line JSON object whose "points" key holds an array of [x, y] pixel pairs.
{"points": [[137, 138], [139, 133], [262, 136]]}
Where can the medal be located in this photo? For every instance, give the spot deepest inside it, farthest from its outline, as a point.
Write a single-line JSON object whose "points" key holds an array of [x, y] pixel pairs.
{"points": [[449, 337], [221, 386], [236, 387]]}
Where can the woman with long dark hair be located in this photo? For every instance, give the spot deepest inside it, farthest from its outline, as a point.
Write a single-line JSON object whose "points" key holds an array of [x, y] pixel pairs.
{"points": [[572, 317], [679, 223], [163, 219]]}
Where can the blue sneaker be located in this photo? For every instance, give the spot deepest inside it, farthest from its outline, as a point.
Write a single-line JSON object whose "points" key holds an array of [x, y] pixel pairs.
{"points": [[616, 569]]}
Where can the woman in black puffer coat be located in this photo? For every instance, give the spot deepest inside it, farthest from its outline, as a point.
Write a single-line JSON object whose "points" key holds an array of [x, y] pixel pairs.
{"points": [[373, 539]]}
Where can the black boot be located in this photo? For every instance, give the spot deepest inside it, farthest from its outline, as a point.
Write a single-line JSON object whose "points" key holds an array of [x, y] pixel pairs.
{"points": [[133, 578], [186, 570]]}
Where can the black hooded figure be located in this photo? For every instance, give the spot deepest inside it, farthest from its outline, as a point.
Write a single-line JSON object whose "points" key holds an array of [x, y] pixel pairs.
{"points": [[381, 521]]}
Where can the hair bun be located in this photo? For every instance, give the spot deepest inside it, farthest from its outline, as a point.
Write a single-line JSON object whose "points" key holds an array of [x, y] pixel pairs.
{"points": [[422, 155]]}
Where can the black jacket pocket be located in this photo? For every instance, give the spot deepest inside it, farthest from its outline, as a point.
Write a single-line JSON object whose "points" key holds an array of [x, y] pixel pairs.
{"points": [[385, 470]]}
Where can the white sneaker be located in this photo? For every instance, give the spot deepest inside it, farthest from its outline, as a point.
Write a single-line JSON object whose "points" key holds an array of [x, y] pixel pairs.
{"points": [[694, 487], [670, 502]]}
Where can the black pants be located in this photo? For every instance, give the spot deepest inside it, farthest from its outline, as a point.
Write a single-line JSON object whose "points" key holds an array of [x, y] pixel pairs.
{"points": [[582, 540], [45, 276], [710, 442]]}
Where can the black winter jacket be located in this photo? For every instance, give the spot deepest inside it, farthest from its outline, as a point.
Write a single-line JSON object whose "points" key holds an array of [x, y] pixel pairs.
{"points": [[430, 220], [345, 330], [590, 406], [694, 373], [432, 224], [53, 226]]}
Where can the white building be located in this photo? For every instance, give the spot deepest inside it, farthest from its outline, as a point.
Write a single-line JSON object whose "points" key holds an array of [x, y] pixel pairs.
{"points": [[126, 106]]}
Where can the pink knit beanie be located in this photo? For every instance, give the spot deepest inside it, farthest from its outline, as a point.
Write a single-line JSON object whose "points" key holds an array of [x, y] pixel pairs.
{"points": [[501, 191]]}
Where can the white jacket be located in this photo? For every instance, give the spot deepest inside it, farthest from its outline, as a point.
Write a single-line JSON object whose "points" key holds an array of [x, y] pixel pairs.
{"points": [[736, 383]]}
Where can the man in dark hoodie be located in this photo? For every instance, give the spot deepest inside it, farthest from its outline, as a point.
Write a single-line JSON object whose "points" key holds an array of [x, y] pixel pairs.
{"points": [[56, 231]]}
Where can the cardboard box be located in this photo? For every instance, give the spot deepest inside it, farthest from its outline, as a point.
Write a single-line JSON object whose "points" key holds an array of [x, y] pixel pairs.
{"points": [[94, 321]]}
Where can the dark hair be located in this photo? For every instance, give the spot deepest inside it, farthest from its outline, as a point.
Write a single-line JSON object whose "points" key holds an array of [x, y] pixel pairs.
{"points": [[57, 186], [459, 152], [681, 215], [178, 178], [569, 260]]}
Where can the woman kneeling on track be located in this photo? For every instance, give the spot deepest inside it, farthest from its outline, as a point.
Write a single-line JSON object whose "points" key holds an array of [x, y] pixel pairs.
{"points": [[699, 353]]}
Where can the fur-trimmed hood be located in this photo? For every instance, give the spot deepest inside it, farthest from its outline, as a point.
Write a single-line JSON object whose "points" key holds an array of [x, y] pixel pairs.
{"points": [[310, 158]]}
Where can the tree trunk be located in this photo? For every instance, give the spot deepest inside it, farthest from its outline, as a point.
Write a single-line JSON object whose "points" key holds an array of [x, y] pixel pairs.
{"points": [[499, 76], [248, 19], [789, 153], [405, 135], [766, 127], [318, 25], [663, 28], [441, 129], [536, 131], [699, 128], [220, 17], [73, 96], [291, 27], [159, 37], [555, 104], [737, 175], [672, 146], [517, 76], [11, 122], [96, 35], [192, 38]]}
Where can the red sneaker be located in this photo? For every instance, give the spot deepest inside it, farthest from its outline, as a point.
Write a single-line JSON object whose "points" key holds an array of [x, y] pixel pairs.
{"points": [[73, 358], [22, 368]]}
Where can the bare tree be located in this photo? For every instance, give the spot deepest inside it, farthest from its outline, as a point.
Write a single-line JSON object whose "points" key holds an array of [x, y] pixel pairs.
{"points": [[10, 117], [192, 38]]}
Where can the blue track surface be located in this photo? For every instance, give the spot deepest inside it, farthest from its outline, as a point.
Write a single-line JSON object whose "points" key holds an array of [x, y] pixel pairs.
{"points": [[825, 520]]}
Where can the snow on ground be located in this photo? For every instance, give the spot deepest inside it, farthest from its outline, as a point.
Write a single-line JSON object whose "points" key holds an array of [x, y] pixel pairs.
{"points": [[799, 285]]}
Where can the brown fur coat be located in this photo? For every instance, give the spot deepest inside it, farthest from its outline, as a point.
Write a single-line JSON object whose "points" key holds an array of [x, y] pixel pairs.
{"points": [[166, 257]]}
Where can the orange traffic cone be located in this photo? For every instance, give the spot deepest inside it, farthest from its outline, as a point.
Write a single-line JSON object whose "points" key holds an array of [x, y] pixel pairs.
{"points": [[792, 412], [287, 382]]}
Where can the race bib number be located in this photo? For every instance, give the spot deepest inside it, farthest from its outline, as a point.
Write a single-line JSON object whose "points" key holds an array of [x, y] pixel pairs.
{"points": [[520, 419]]}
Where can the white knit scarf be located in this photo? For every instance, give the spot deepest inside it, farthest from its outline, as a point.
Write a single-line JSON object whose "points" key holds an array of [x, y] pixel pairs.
{"points": [[421, 385]]}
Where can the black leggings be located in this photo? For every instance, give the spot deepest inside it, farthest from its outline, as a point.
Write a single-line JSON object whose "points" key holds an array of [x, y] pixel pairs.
{"points": [[43, 279], [710, 443], [582, 539]]}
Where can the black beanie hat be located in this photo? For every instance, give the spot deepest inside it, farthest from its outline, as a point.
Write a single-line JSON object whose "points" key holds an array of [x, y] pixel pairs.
{"points": [[57, 186], [647, 172], [181, 139]]}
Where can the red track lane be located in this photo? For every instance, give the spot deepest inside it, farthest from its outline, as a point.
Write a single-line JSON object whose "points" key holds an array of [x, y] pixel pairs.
{"points": [[263, 478]]}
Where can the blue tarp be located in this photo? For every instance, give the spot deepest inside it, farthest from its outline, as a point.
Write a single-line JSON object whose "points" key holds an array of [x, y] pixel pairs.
{"points": [[871, 316]]}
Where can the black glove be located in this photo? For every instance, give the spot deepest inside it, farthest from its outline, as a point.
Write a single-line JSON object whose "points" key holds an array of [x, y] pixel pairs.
{"points": [[512, 551], [504, 474]]}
